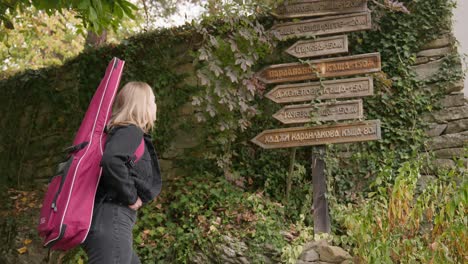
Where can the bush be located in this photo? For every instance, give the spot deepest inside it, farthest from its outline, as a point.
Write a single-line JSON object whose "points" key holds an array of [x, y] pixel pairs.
{"points": [[400, 224]]}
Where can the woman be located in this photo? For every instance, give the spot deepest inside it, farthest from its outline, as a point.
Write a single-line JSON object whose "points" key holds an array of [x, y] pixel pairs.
{"points": [[125, 185]]}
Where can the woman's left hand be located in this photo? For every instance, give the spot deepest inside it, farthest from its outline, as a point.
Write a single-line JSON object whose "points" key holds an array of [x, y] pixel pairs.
{"points": [[136, 205]]}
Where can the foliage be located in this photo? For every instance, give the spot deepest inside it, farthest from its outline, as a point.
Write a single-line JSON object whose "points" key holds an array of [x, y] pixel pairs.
{"points": [[39, 40], [230, 48], [398, 224], [400, 101], [195, 213], [18, 222], [96, 15], [70, 89], [292, 251]]}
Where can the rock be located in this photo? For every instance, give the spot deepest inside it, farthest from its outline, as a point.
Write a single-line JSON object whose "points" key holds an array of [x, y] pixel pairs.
{"points": [[457, 126], [428, 70], [449, 141], [424, 180], [310, 255], [452, 113], [244, 260], [200, 258], [308, 246], [239, 246], [436, 129], [228, 251], [443, 164], [443, 41], [421, 60], [456, 86], [451, 100], [434, 52], [348, 261], [184, 139], [226, 259], [446, 88], [449, 153], [332, 254]]}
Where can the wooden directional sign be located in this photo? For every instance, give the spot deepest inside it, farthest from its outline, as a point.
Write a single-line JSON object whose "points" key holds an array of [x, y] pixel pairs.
{"points": [[319, 135], [308, 8], [335, 111], [324, 26], [312, 70], [335, 89], [319, 47]]}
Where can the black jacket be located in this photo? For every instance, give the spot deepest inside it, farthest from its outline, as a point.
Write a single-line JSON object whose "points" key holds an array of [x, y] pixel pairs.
{"points": [[122, 182]]}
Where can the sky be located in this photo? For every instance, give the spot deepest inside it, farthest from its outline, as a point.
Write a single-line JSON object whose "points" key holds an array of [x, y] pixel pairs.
{"points": [[187, 12], [461, 31]]}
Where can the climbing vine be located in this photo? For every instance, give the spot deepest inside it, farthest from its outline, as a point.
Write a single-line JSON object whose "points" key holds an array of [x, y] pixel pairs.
{"points": [[233, 99], [231, 48], [195, 212]]}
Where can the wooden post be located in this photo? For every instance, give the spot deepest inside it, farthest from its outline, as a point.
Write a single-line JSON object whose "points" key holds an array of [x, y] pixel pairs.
{"points": [[320, 204], [292, 158]]}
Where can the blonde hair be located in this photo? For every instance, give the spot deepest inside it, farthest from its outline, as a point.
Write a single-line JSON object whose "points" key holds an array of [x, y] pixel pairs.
{"points": [[132, 106]]}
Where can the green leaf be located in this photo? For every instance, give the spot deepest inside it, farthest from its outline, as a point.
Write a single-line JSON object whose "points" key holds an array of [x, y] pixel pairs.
{"points": [[93, 17], [118, 12], [128, 8], [97, 4]]}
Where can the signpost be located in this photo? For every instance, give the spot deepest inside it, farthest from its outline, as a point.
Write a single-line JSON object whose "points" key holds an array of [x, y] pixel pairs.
{"points": [[324, 68], [356, 17], [319, 47], [336, 89], [319, 135], [335, 111], [308, 8], [324, 26], [320, 206]]}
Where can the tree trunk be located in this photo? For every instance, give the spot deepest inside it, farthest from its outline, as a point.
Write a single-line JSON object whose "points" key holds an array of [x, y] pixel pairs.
{"points": [[94, 40]]}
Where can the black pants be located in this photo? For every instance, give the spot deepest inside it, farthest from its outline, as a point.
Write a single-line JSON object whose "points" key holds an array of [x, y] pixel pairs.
{"points": [[110, 238]]}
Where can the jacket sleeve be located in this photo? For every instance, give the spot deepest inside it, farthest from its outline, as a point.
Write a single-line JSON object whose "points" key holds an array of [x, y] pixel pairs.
{"points": [[120, 147]]}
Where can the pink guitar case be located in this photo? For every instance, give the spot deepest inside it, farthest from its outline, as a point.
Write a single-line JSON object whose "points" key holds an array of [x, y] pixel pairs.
{"points": [[67, 209]]}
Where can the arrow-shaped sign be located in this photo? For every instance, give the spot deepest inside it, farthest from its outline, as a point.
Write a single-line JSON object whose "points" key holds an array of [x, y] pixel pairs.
{"points": [[334, 111], [319, 135], [308, 8], [324, 26], [334, 89], [324, 68], [319, 47]]}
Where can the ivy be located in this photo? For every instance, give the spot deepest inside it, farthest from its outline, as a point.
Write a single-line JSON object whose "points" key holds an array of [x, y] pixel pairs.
{"points": [[226, 64], [234, 187]]}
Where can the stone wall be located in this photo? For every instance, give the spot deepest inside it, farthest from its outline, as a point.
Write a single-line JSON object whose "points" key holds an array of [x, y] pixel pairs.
{"points": [[41, 111], [447, 127]]}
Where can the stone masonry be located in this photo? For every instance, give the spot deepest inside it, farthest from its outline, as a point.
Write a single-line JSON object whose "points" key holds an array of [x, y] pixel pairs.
{"points": [[448, 127]]}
